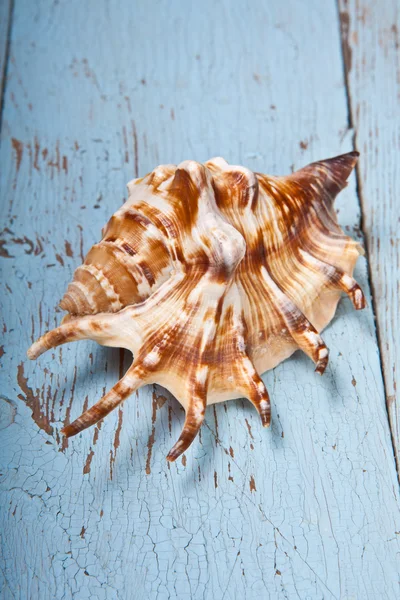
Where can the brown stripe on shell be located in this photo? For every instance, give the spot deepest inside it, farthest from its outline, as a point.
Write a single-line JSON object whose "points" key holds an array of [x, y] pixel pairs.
{"points": [[125, 246], [330, 175], [184, 197]]}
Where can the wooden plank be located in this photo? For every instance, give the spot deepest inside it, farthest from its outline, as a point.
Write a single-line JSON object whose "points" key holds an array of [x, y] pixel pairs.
{"points": [[97, 93], [5, 24], [370, 33]]}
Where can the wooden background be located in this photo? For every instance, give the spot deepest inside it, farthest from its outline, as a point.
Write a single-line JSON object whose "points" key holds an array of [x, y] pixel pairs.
{"points": [[95, 93]]}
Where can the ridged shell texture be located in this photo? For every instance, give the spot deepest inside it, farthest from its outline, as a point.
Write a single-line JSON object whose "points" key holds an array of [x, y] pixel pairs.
{"points": [[212, 274]]}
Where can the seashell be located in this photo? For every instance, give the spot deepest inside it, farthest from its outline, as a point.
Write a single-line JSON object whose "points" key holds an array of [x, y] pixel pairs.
{"points": [[212, 274]]}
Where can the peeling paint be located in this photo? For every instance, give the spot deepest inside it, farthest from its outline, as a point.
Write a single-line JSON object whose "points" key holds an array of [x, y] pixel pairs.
{"points": [[86, 468], [249, 429], [345, 31], [68, 249], [40, 414], [18, 147]]}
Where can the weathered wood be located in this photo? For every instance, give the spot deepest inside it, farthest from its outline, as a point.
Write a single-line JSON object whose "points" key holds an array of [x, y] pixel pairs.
{"points": [[97, 93], [5, 23], [370, 34]]}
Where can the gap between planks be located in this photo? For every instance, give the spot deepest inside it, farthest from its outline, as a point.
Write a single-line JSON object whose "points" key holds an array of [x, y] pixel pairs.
{"points": [[7, 12]]}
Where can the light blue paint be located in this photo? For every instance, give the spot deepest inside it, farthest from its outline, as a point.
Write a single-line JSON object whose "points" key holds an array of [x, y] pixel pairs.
{"points": [[248, 81]]}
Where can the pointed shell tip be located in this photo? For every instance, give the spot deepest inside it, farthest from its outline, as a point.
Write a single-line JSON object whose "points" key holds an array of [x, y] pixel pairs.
{"points": [[32, 352], [65, 431]]}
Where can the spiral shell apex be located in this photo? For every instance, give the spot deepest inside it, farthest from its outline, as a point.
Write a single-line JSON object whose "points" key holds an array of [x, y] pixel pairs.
{"points": [[212, 274]]}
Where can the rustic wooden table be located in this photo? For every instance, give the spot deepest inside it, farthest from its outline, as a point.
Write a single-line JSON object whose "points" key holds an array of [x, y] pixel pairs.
{"points": [[95, 93]]}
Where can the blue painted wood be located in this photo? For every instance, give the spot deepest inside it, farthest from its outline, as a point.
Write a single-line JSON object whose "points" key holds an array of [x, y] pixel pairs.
{"points": [[371, 36], [97, 93]]}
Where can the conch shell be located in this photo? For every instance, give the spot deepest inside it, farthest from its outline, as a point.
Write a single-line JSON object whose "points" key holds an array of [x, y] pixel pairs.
{"points": [[212, 274]]}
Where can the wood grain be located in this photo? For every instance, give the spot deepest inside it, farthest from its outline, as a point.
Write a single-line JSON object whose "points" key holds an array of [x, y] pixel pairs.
{"points": [[370, 32], [99, 92]]}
